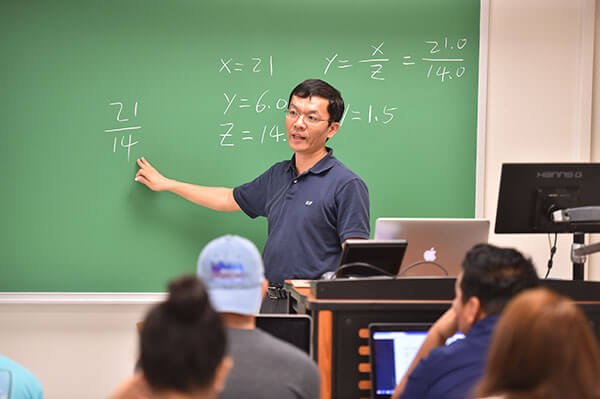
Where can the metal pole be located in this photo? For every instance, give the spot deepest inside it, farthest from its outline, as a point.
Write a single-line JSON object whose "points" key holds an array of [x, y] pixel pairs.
{"points": [[578, 241]]}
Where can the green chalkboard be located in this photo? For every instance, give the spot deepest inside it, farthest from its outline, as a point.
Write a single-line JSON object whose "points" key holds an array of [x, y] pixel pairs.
{"points": [[199, 89]]}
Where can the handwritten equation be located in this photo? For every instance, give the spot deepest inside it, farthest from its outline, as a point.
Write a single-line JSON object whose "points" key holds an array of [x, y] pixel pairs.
{"points": [[376, 61], [123, 132], [230, 66], [229, 133], [257, 104], [443, 60], [264, 101]]}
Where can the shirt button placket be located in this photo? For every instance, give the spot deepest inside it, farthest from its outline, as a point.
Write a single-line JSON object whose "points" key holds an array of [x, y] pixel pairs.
{"points": [[291, 190]]}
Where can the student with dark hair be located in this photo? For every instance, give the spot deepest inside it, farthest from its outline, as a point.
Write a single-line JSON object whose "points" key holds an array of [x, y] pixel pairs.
{"points": [[543, 348], [490, 277], [182, 348], [313, 202]]}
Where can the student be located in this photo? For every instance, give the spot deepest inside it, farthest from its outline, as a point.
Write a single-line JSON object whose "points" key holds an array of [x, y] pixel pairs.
{"points": [[543, 348], [264, 366], [16, 382], [182, 348], [313, 202], [491, 276]]}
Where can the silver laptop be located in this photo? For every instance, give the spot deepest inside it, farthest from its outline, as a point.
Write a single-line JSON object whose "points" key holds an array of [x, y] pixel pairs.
{"points": [[441, 241]]}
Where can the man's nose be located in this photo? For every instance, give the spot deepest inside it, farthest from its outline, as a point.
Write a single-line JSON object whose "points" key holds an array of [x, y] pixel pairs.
{"points": [[300, 121]]}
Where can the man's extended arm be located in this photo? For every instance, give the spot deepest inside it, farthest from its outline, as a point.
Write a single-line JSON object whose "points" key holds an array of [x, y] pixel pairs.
{"points": [[445, 327], [217, 198]]}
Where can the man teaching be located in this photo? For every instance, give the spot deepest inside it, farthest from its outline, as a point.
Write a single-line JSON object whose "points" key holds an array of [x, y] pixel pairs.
{"points": [[313, 203]]}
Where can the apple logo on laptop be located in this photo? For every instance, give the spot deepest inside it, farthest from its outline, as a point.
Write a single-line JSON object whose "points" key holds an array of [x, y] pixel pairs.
{"points": [[429, 255]]}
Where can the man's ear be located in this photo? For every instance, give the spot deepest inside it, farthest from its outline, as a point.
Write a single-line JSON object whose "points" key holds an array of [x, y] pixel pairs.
{"points": [[472, 311], [333, 129]]}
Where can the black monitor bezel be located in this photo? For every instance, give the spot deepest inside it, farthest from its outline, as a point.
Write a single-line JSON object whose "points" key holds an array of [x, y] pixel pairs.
{"points": [[529, 192], [371, 253], [297, 324]]}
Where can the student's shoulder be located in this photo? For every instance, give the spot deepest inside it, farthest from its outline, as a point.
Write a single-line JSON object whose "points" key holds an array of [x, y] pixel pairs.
{"points": [[26, 384], [441, 356], [14, 367]]}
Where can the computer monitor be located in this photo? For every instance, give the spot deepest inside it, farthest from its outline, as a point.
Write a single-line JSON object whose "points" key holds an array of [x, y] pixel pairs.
{"points": [[531, 192], [363, 258], [294, 329]]}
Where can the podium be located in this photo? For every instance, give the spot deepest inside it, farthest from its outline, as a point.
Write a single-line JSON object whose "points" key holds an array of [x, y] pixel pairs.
{"points": [[343, 309]]}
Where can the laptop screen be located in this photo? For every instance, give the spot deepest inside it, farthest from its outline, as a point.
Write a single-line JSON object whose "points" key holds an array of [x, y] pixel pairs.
{"points": [[433, 241], [292, 328], [393, 346]]}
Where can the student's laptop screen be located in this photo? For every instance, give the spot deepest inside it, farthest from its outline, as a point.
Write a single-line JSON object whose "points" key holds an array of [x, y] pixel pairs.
{"points": [[393, 347]]}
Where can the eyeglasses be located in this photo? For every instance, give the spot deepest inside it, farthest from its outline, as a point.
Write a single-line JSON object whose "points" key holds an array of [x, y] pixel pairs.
{"points": [[309, 119]]}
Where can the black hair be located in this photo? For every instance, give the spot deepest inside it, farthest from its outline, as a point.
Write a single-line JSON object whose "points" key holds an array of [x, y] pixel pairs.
{"points": [[182, 340], [494, 275], [319, 88]]}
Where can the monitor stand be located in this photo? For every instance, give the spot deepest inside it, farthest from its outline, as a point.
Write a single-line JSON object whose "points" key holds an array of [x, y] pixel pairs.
{"points": [[579, 252], [577, 258]]}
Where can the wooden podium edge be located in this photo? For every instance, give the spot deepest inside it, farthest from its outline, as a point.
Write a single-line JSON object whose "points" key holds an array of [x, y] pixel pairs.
{"points": [[325, 351]]}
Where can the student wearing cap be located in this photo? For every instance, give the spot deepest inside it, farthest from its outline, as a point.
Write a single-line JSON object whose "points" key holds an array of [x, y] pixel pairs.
{"points": [[16, 382], [263, 366], [313, 202]]}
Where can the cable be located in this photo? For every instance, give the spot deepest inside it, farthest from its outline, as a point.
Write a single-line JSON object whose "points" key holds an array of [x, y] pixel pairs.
{"points": [[407, 268], [552, 252], [380, 271]]}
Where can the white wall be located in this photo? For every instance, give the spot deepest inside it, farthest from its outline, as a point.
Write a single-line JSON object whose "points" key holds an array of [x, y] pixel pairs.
{"points": [[535, 112], [76, 351], [595, 264], [539, 53]]}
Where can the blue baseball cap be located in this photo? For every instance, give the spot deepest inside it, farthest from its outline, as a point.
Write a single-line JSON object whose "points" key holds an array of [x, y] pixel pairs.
{"points": [[233, 272]]}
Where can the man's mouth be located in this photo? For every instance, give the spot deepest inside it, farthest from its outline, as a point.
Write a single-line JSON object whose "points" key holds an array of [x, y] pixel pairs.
{"points": [[298, 137]]}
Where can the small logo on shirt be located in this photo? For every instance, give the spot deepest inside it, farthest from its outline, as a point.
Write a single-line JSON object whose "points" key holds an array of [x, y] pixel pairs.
{"points": [[308, 203]]}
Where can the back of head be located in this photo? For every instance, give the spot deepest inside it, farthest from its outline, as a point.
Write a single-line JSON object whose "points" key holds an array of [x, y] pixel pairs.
{"points": [[322, 89], [543, 347], [494, 275], [183, 340], [232, 270]]}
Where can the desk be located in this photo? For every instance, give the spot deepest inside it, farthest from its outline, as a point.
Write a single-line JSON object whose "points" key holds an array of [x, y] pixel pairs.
{"points": [[340, 335]]}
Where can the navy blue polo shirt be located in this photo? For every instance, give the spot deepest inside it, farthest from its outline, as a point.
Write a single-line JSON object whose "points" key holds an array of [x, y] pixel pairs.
{"points": [[309, 215], [451, 372]]}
